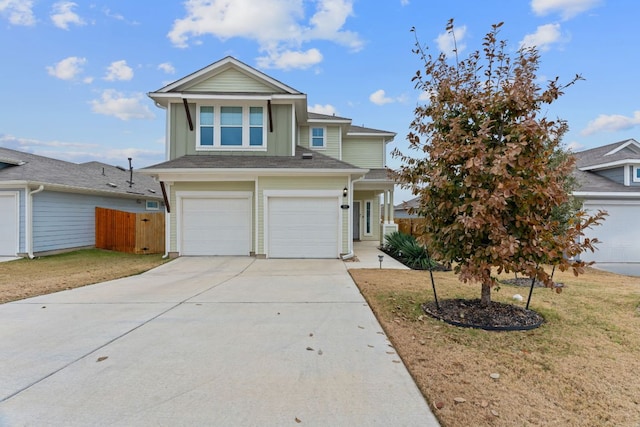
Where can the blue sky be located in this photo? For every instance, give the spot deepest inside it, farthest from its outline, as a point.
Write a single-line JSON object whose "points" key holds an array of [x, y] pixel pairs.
{"points": [[75, 74]]}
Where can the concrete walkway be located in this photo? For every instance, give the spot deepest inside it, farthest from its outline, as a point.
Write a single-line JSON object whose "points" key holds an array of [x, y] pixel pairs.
{"points": [[206, 341], [367, 257]]}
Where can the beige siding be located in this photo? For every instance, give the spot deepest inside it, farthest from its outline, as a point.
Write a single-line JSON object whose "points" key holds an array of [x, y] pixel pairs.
{"points": [[333, 140], [183, 140], [300, 183], [364, 152], [231, 80], [204, 186]]}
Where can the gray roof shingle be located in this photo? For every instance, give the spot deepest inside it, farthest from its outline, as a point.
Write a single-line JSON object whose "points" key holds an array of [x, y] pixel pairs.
{"points": [[235, 161], [91, 176], [591, 182]]}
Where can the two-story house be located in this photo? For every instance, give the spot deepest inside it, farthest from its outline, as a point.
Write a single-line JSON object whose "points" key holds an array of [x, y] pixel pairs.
{"points": [[250, 171], [609, 179]]}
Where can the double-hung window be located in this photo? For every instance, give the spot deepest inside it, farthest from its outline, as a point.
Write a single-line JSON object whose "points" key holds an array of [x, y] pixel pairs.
{"points": [[230, 127], [318, 137]]}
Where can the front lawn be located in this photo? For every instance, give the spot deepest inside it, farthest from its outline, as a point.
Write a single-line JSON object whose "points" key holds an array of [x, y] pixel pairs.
{"points": [[26, 278], [580, 368]]}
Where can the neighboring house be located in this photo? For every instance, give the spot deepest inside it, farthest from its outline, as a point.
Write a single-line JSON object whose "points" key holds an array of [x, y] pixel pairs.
{"points": [[609, 179], [402, 210], [250, 171], [48, 205]]}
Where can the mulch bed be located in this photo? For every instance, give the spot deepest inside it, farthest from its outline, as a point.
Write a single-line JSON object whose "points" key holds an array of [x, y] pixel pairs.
{"points": [[494, 317]]}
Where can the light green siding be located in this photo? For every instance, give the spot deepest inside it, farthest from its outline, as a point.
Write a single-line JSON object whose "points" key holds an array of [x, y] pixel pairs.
{"points": [[204, 186], [300, 183], [364, 152], [183, 140], [231, 80], [333, 140]]}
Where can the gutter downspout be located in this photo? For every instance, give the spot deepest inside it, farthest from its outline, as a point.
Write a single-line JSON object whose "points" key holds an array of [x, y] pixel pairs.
{"points": [[29, 220]]}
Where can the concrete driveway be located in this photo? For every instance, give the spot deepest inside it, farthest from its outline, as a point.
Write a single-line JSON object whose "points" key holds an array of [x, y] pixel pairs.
{"points": [[206, 341]]}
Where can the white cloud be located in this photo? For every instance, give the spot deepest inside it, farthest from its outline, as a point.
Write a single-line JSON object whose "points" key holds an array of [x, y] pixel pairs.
{"points": [[612, 123], [167, 68], [289, 59], [543, 38], [68, 68], [62, 15], [114, 103], [566, 8], [445, 41], [327, 109], [19, 12], [119, 70], [280, 27], [404, 2], [380, 97]]}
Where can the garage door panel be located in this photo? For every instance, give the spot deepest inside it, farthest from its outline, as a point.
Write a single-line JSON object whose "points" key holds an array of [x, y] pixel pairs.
{"points": [[216, 226], [303, 227], [8, 225], [619, 241]]}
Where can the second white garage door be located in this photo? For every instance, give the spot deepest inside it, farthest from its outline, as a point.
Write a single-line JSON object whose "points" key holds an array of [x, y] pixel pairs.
{"points": [[303, 227], [619, 239], [8, 224], [216, 226]]}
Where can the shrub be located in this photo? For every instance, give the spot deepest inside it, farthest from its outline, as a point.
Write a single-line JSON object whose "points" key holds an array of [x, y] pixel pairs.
{"points": [[406, 249]]}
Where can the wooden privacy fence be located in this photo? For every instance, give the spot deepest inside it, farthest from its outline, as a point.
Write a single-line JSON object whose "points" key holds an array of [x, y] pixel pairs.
{"points": [[410, 225], [137, 233]]}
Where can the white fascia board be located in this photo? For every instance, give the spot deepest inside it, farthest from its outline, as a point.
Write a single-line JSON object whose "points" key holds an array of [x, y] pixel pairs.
{"points": [[375, 134], [164, 99], [606, 195], [78, 190], [610, 164], [176, 175], [329, 121]]}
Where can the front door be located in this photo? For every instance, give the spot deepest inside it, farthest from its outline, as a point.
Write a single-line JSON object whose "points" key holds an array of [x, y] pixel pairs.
{"points": [[356, 220]]}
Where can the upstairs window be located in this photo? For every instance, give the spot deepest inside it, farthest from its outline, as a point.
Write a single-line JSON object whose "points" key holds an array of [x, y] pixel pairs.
{"points": [[230, 127], [636, 174], [318, 139]]}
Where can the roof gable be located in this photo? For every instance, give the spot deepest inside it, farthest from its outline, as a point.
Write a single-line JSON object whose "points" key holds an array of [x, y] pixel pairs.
{"points": [[228, 76], [611, 155]]}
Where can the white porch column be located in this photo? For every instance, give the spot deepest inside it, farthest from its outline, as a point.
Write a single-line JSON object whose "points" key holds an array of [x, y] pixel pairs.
{"points": [[385, 206], [391, 204]]}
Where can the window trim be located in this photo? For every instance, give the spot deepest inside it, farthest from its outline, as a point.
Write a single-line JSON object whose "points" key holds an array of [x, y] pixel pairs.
{"points": [[149, 205], [246, 126], [324, 137], [636, 173]]}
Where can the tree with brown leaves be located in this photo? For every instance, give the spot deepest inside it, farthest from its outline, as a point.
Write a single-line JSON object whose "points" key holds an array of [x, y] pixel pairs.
{"points": [[488, 173]]}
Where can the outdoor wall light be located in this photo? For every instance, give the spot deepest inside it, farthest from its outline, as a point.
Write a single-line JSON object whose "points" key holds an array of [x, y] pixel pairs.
{"points": [[345, 191]]}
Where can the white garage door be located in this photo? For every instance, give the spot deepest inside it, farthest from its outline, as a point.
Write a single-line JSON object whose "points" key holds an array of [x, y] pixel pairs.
{"points": [[619, 238], [303, 227], [8, 224], [216, 226]]}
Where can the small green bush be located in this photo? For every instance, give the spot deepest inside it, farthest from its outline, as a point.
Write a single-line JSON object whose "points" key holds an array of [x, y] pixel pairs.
{"points": [[406, 249]]}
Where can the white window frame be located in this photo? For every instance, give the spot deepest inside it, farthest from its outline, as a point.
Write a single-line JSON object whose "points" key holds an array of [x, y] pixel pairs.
{"points": [[246, 127], [152, 205], [367, 227], [324, 137], [636, 170]]}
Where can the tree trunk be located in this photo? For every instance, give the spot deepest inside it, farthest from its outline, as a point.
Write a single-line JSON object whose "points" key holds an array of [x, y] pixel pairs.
{"points": [[485, 296]]}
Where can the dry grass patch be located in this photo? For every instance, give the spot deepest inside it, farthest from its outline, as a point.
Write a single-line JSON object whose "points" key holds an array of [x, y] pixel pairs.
{"points": [[581, 368], [26, 278]]}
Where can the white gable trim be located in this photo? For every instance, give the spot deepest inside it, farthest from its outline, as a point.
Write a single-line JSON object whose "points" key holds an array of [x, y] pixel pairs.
{"points": [[625, 145], [224, 63]]}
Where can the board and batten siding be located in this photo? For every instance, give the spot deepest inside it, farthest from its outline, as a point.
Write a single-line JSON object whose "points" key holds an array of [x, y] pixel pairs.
{"points": [[183, 140], [67, 220], [336, 183], [204, 186], [333, 140], [232, 80], [364, 153]]}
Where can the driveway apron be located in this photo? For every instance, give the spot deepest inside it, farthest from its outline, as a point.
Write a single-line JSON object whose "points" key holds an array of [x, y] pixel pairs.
{"points": [[206, 341]]}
